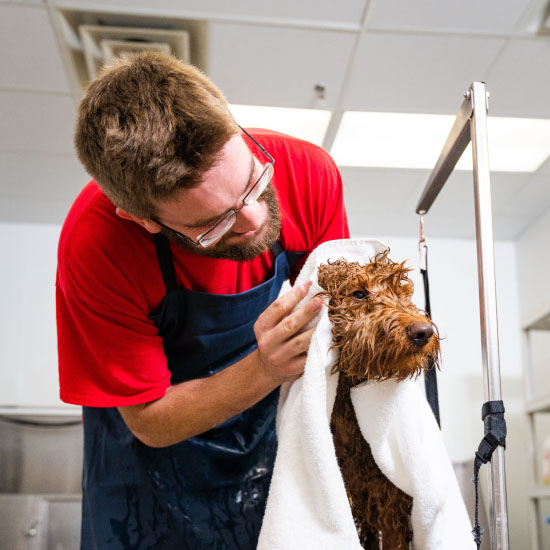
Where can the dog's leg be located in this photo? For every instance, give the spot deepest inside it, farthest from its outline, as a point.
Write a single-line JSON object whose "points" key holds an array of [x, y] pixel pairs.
{"points": [[394, 540]]}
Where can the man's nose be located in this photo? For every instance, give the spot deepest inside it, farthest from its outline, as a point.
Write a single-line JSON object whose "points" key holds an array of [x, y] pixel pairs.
{"points": [[249, 218]]}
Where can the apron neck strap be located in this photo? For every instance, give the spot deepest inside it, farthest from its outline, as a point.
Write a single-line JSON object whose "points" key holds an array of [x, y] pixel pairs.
{"points": [[166, 263], [277, 248]]}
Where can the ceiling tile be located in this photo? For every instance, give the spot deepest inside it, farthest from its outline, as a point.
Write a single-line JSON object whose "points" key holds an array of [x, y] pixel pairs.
{"points": [[24, 2], [531, 201], [262, 65], [38, 122], [519, 83], [504, 186], [388, 222], [545, 168], [384, 222], [416, 73], [34, 210], [369, 189], [466, 16], [456, 197], [32, 64], [508, 228], [41, 176], [333, 13]]}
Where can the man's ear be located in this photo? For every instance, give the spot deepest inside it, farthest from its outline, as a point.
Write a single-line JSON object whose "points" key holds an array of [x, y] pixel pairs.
{"points": [[148, 224]]}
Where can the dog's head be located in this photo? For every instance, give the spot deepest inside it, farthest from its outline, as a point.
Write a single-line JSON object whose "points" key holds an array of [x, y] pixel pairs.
{"points": [[378, 331]]}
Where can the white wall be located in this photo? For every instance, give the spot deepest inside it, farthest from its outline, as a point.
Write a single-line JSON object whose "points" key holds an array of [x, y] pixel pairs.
{"points": [[28, 346], [534, 269]]}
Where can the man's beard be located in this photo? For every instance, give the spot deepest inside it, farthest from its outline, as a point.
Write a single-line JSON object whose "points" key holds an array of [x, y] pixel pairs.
{"points": [[240, 252]]}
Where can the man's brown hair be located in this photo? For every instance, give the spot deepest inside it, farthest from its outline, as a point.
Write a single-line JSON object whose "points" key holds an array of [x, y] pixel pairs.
{"points": [[148, 126]]}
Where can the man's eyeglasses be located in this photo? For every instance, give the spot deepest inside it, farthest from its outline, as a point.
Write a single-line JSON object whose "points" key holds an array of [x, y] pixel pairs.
{"points": [[226, 223]]}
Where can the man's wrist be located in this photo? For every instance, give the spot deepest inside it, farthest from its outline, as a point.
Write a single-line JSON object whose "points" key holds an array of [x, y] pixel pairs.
{"points": [[265, 375]]}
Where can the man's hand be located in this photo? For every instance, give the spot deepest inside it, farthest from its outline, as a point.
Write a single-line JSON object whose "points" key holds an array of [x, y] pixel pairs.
{"points": [[195, 406], [282, 340]]}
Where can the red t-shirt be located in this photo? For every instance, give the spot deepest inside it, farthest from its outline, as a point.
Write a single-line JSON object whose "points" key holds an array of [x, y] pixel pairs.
{"points": [[109, 280]]}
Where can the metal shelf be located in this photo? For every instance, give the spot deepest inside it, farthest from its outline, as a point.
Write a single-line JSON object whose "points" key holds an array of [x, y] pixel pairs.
{"points": [[539, 405], [539, 492]]}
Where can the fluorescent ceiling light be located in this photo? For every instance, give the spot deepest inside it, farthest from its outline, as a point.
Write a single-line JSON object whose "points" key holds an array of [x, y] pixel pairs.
{"points": [[407, 140], [308, 124]]}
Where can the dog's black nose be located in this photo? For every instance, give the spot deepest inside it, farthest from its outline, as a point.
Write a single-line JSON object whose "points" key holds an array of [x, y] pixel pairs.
{"points": [[420, 333]]}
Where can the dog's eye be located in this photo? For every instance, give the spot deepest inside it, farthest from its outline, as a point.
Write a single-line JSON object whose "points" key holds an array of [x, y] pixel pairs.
{"points": [[360, 295]]}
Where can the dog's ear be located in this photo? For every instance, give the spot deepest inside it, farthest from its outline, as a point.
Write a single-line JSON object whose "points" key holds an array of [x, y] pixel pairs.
{"points": [[322, 275]]}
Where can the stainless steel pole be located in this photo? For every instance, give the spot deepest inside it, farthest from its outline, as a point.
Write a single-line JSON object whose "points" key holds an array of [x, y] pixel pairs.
{"points": [[488, 305]]}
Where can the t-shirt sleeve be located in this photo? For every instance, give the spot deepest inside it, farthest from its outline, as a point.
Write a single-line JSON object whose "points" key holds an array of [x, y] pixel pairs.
{"points": [[110, 353]]}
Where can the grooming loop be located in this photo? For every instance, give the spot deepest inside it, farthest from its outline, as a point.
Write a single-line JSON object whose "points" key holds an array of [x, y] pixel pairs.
{"points": [[471, 125], [422, 246]]}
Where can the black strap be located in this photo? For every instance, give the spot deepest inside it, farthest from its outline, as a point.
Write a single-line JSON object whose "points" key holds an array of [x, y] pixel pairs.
{"points": [[166, 262], [430, 378], [276, 248], [492, 414]]}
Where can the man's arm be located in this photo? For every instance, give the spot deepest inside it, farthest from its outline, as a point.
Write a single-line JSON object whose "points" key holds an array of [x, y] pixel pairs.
{"points": [[193, 407]]}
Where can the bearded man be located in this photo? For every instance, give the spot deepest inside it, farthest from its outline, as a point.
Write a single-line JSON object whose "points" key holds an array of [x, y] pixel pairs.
{"points": [[171, 334]]}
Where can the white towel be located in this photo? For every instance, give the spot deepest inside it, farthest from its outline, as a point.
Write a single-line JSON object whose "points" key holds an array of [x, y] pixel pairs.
{"points": [[307, 506]]}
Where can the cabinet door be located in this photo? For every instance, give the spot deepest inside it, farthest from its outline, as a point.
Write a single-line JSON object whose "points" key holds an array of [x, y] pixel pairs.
{"points": [[23, 522]]}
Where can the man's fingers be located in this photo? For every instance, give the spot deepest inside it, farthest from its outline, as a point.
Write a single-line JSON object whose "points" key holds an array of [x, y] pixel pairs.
{"points": [[282, 306], [296, 321], [294, 349]]}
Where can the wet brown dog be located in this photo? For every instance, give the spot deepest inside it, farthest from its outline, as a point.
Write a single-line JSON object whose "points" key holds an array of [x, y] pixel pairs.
{"points": [[380, 334]]}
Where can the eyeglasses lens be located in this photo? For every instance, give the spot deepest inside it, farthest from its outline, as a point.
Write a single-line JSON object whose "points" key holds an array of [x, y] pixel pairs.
{"points": [[260, 186], [217, 232]]}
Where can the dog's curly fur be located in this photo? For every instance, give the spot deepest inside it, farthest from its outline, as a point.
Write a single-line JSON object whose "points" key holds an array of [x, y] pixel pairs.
{"points": [[380, 334]]}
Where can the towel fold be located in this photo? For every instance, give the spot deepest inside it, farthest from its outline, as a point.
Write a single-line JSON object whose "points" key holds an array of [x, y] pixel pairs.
{"points": [[307, 506]]}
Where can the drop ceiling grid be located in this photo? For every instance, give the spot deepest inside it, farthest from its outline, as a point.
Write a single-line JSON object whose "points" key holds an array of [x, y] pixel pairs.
{"points": [[306, 12], [403, 66], [467, 16]]}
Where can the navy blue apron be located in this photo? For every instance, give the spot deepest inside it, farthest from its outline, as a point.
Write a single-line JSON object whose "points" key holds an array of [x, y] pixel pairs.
{"points": [[208, 491]]}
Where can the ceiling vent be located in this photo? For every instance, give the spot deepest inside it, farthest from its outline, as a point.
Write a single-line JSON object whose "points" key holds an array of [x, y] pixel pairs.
{"points": [[100, 43], [88, 39]]}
